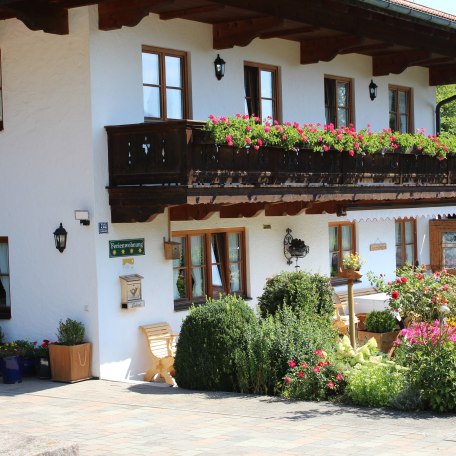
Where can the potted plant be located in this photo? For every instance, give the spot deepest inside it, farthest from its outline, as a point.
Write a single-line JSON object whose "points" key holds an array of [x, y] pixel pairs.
{"points": [[382, 326], [297, 248], [70, 358], [351, 265], [27, 358], [10, 363], [42, 363]]}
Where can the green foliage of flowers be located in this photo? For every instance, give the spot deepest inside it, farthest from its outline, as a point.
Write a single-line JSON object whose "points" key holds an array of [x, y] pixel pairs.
{"points": [[70, 332], [311, 293], [26, 348], [243, 131], [312, 378], [288, 334], [375, 384], [380, 321], [418, 294], [429, 352], [10, 349]]}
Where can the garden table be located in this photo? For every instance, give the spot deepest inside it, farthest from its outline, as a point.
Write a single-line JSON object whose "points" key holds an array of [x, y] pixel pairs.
{"points": [[368, 303]]}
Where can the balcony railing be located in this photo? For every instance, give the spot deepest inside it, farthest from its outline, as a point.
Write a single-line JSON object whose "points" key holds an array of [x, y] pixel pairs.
{"points": [[179, 153]]}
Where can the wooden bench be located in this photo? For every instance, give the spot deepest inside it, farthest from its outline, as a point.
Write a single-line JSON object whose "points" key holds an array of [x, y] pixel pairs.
{"points": [[340, 300], [162, 345]]}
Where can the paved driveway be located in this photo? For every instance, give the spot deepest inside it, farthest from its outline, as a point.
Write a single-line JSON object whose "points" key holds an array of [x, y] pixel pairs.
{"points": [[112, 418]]}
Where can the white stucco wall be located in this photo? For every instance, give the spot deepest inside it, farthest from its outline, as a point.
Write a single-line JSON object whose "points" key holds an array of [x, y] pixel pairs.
{"points": [[60, 93], [46, 172]]}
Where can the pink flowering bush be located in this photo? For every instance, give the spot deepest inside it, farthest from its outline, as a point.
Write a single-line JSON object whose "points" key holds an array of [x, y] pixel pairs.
{"points": [[313, 378], [243, 131], [429, 352], [417, 294]]}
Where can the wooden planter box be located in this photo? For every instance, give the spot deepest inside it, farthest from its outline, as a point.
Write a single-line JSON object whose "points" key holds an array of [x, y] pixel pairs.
{"points": [[384, 340], [70, 363]]}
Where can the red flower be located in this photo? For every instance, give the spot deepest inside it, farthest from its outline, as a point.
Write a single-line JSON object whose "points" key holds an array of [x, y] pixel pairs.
{"points": [[300, 374], [395, 295], [321, 364], [339, 377], [316, 369], [287, 379], [404, 279], [319, 353], [304, 365], [291, 363], [331, 384]]}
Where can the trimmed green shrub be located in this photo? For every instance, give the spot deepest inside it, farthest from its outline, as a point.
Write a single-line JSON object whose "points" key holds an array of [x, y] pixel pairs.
{"points": [[211, 339], [380, 321], [310, 293], [289, 334]]}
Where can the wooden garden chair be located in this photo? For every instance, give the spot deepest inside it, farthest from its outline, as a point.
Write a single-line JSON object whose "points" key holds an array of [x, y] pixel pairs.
{"points": [[162, 344]]}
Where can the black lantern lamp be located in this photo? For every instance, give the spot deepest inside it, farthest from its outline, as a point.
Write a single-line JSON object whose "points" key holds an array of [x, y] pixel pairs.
{"points": [[373, 90], [294, 248], [219, 65], [60, 237]]}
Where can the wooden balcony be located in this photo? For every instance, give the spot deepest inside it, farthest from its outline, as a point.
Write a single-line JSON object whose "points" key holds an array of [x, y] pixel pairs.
{"points": [[160, 164]]}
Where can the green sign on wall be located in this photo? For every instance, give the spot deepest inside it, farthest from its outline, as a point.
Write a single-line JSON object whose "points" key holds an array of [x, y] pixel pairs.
{"points": [[126, 247]]}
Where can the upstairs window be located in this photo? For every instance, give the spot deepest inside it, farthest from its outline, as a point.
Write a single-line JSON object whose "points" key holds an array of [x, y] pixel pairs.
{"points": [[400, 99], [341, 243], [5, 300], [261, 90], [338, 101], [1, 94], [405, 242], [165, 88], [212, 262]]}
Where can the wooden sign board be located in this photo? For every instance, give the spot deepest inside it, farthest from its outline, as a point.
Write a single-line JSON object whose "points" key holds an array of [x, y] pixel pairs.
{"points": [[378, 246]]}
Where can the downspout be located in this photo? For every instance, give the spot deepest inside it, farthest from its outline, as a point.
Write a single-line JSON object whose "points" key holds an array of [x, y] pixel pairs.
{"points": [[437, 112]]}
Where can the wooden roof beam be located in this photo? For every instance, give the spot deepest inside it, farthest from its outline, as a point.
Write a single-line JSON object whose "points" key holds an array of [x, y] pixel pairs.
{"points": [[189, 12], [442, 74], [40, 16], [397, 62], [288, 32], [114, 14], [366, 48], [325, 49], [241, 33]]}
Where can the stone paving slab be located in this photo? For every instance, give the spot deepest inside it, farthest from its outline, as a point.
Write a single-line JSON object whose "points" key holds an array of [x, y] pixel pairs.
{"points": [[116, 418]]}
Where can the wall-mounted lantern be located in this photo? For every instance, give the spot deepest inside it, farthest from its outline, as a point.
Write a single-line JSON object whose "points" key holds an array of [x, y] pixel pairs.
{"points": [[60, 238], [294, 248], [373, 90], [219, 65]]}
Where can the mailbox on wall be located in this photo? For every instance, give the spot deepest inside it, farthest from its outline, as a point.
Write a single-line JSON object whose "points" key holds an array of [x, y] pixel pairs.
{"points": [[131, 291]]}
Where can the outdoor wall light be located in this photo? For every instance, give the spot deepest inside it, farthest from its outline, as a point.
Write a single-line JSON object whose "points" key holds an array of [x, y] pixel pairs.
{"points": [[373, 90], [294, 248], [82, 216], [219, 65], [60, 238]]}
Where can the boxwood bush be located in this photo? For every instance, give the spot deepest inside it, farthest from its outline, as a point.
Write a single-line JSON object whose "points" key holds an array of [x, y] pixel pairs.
{"points": [[380, 321], [310, 293], [211, 338]]}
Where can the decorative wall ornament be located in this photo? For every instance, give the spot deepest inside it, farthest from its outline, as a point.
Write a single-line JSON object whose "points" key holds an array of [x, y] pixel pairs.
{"points": [[294, 248]]}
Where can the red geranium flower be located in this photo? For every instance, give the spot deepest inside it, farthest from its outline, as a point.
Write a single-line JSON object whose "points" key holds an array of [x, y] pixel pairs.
{"points": [[395, 295]]}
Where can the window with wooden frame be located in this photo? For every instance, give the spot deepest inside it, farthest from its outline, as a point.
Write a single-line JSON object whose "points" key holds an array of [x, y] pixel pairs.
{"points": [[400, 109], [406, 252], [165, 86], [341, 243], [442, 244], [338, 101], [5, 299], [212, 262], [261, 83], [1, 94]]}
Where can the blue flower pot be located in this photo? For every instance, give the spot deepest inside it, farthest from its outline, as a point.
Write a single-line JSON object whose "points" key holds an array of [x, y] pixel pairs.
{"points": [[10, 367]]}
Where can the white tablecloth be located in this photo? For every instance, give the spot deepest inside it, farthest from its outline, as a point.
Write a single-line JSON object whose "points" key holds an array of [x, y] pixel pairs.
{"points": [[368, 303]]}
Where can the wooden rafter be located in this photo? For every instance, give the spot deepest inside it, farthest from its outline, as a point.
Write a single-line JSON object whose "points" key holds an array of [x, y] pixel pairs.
{"points": [[240, 33], [288, 208], [325, 49], [114, 14], [39, 16], [189, 12], [397, 62], [366, 48], [288, 32], [442, 75]]}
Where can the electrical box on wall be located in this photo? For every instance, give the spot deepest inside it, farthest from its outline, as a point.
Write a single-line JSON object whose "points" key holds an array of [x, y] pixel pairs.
{"points": [[131, 292]]}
